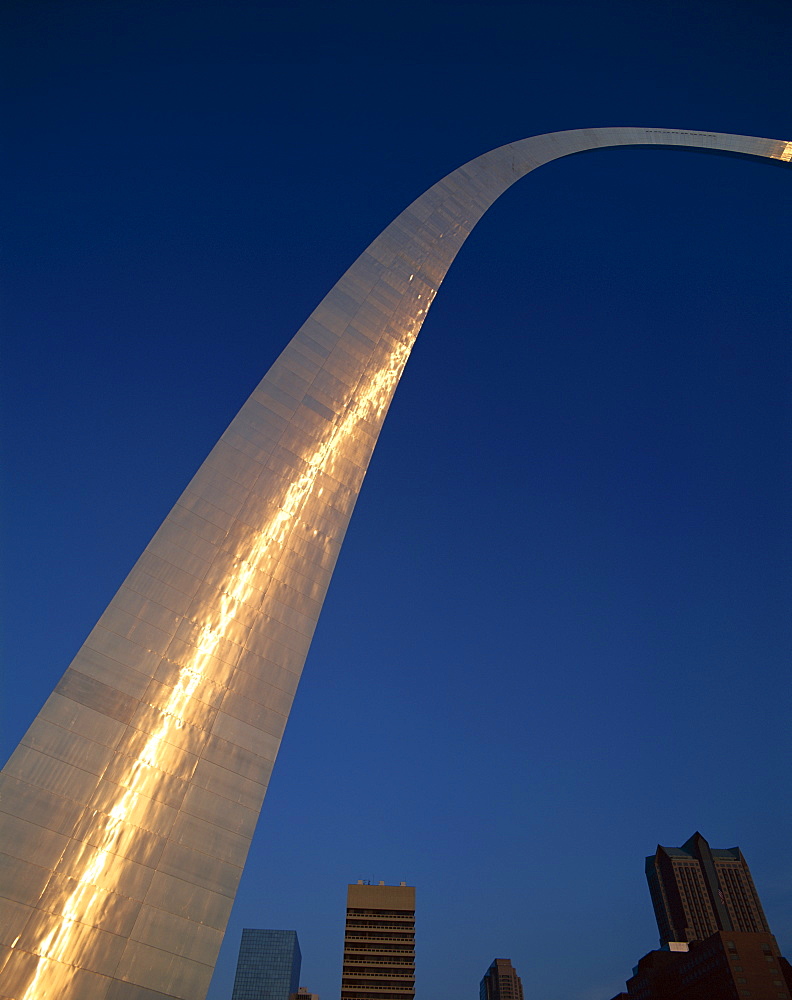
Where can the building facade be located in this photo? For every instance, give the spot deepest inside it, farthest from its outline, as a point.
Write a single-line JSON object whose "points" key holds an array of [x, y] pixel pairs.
{"points": [[128, 808], [728, 965], [698, 890], [268, 967], [379, 943], [303, 993], [501, 982]]}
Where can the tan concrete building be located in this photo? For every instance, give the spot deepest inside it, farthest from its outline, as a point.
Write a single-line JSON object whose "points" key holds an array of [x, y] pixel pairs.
{"points": [[379, 943], [303, 993]]}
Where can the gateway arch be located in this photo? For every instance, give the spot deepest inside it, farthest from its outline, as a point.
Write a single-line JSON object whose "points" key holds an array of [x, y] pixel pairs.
{"points": [[128, 808]]}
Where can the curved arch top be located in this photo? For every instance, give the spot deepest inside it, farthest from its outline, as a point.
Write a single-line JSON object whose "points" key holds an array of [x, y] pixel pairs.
{"points": [[127, 810]]}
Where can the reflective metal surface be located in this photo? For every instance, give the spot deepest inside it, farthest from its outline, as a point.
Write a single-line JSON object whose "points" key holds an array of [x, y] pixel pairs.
{"points": [[127, 811]]}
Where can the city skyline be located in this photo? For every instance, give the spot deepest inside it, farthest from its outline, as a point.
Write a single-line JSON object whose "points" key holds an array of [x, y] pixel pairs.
{"points": [[141, 779], [690, 636]]}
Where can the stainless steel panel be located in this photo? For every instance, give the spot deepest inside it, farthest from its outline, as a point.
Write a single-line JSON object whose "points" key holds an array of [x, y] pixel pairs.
{"points": [[219, 521], [96, 695], [207, 685], [71, 715], [176, 934], [288, 637], [262, 645], [147, 610], [267, 720], [115, 838], [167, 571], [126, 625], [12, 916], [28, 842], [248, 737], [100, 666], [174, 975], [300, 364], [273, 688], [200, 869], [187, 563], [186, 541], [71, 906], [126, 651], [233, 465], [119, 990], [35, 805], [181, 703], [186, 899], [153, 782], [153, 750], [129, 879], [43, 771], [25, 973], [55, 741], [214, 809], [124, 806], [237, 759], [191, 519], [229, 784], [21, 881]]}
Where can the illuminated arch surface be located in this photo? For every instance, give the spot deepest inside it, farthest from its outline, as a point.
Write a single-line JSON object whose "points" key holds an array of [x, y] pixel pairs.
{"points": [[127, 810]]}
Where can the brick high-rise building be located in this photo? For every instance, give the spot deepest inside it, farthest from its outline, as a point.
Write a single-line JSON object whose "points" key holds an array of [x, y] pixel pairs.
{"points": [[501, 982], [726, 966], [698, 890], [379, 943]]}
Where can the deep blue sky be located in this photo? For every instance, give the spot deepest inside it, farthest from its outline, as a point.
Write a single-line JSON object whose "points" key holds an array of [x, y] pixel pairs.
{"points": [[558, 633]]}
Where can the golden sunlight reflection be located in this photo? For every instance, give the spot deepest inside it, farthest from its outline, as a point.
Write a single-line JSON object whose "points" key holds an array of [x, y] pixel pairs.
{"points": [[786, 153], [85, 897]]}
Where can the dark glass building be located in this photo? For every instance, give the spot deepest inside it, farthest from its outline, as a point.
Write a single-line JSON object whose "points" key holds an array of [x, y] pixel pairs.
{"points": [[501, 982], [268, 967], [698, 890]]}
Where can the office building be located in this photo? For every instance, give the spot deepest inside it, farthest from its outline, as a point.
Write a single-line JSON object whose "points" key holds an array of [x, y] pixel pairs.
{"points": [[715, 942], [728, 965], [698, 890], [137, 788], [268, 967], [501, 982], [379, 943]]}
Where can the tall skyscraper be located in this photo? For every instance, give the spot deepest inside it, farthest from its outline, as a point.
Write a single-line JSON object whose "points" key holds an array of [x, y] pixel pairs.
{"points": [[501, 982], [127, 811], [379, 943], [698, 890], [715, 942], [268, 967]]}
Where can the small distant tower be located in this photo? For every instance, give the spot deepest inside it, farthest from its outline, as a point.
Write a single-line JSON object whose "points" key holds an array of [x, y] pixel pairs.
{"points": [[268, 967], [698, 890], [379, 942], [303, 994], [501, 982]]}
